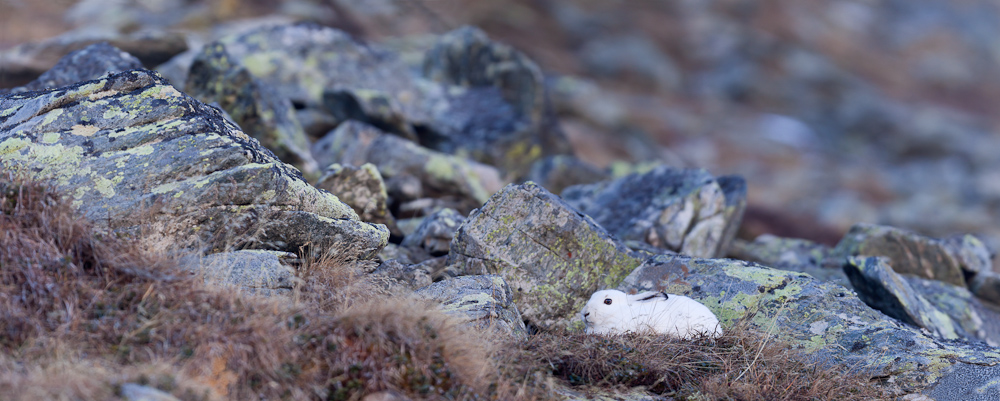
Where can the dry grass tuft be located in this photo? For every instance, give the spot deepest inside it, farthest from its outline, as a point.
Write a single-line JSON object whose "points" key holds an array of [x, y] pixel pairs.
{"points": [[740, 365]]}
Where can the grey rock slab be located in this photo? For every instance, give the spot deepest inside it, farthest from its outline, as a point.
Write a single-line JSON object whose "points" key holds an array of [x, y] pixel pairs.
{"points": [[683, 210], [978, 320], [824, 320], [908, 252], [435, 232], [91, 62], [395, 275], [881, 288], [253, 104], [551, 254], [485, 302], [410, 171], [139, 157], [986, 286]]}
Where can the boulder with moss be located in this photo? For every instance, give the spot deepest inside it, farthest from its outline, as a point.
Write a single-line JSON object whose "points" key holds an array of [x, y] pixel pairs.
{"points": [[254, 271], [435, 232], [684, 210], [826, 321], [254, 105], [141, 158], [484, 302], [552, 255]]}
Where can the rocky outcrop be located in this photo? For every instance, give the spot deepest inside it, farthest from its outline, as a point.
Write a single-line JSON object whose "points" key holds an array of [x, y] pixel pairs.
{"points": [[908, 252], [254, 105], [139, 157], [825, 320], [410, 171], [91, 62], [553, 256], [484, 302], [686, 211]]}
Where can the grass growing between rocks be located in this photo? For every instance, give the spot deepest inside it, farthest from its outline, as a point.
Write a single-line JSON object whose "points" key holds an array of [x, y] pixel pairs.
{"points": [[82, 313]]}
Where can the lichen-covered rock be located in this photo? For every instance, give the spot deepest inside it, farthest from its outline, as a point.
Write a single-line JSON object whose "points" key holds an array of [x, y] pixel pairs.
{"points": [[254, 105], [304, 60], [361, 188], [908, 252], [683, 210], [552, 255], [500, 115], [256, 271], [435, 232], [558, 172], [410, 170], [979, 321], [789, 254], [91, 62], [881, 288], [485, 302], [824, 320], [137, 156]]}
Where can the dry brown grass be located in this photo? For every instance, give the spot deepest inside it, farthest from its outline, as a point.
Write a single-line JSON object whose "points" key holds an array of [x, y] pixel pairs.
{"points": [[84, 312], [741, 365]]}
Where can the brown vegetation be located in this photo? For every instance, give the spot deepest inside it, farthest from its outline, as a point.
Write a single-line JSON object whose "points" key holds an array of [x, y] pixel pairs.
{"points": [[84, 312]]}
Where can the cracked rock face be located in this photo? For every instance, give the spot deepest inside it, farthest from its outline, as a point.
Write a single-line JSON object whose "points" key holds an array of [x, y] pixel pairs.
{"points": [[825, 320], [552, 256], [139, 157], [683, 210]]}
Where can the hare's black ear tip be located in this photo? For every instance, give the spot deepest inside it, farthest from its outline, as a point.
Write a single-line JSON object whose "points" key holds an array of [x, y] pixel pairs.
{"points": [[665, 296]]}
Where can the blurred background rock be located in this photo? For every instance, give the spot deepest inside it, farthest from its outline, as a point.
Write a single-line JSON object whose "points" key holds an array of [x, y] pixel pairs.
{"points": [[835, 112]]}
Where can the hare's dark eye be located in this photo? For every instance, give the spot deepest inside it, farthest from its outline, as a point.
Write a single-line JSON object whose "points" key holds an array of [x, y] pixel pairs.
{"points": [[607, 301]]}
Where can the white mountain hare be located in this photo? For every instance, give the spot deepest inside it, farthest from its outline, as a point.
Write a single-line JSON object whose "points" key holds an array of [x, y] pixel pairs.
{"points": [[612, 312]]}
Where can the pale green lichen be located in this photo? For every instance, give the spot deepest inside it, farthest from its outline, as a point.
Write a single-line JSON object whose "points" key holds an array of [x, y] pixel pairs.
{"points": [[104, 186]]}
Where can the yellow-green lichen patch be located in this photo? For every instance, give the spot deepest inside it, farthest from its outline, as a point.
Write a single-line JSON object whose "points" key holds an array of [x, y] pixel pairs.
{"points": [[102, 94], [104, 186], [57, 161], [168, 187], [50, 137], [51, 116], [260, 64], [144, 150], [438, 166], [10, 111]]}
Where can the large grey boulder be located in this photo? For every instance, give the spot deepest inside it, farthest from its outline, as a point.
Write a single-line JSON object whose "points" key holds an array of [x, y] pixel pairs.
{"points": [[826, 321], [410, 171], [684, 210], [500, 114], [559, 172], [484, 302], [138, 156], [91, 62], [254, 105], [552, 255], [792, 254]]}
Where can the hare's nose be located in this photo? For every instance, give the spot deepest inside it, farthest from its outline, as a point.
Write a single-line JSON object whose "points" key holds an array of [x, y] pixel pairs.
{"points": [[586, 314]]}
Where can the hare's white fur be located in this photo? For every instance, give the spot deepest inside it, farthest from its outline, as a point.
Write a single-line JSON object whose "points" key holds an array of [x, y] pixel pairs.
{"points": [[611, 312]]}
